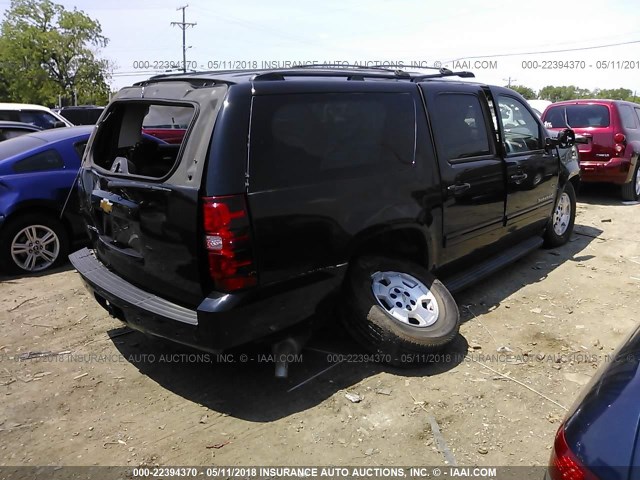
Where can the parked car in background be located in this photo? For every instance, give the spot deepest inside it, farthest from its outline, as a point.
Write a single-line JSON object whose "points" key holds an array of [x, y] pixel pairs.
{"points": [[10, 130], [82, 114], [37, 172], [34, 114], [539, 106], [293, 185], [598, 439], [612, 130]]}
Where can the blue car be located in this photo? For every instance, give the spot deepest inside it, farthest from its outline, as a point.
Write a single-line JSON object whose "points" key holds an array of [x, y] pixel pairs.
{"points": [[600, 438], [36, 174]]}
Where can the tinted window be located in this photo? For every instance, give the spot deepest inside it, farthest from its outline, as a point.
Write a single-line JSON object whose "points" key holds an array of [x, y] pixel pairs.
{"points": [[577, 116], [47, 160], [627, 117], [460, 126], [38, 118], [7, 133], [9, 115], [521, 129], [82, 116], [298, 139], [121, 147]]}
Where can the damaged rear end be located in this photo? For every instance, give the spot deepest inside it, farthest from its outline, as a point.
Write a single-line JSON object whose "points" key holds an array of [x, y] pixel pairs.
{"points": [[154, 258]]}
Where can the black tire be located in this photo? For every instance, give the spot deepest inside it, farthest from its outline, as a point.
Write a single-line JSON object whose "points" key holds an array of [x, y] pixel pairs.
{"points": [[551, 237], [370, 324], [16, 225], [629, 189]]}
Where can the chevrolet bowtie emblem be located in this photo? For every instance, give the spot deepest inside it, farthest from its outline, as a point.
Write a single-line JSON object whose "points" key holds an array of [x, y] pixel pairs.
{"points": [[106, 206]]}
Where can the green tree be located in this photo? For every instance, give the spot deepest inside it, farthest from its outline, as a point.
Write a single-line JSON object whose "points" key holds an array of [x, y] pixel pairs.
{"points": [[526, 92], [557, 94], [47, 51], [614, 93]]}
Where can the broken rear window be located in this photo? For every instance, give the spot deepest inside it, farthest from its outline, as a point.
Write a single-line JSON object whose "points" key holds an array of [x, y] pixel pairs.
{"points": [[141, 138]]}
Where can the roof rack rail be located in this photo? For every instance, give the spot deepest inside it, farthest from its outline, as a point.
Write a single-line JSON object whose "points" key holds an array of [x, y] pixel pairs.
{"points": [[357, 73], [360, 75], [391, 67], [444, 72], [348, 71]]}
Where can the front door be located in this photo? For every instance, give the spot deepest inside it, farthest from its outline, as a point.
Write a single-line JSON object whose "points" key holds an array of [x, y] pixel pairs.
{"points": [[532, 171]]}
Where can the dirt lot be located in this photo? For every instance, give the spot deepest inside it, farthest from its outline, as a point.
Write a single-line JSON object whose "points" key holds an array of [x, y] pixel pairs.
{"points": [[117, 398]]}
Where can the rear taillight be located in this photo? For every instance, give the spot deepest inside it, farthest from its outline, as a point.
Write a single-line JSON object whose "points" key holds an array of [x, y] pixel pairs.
{"points": [[227, 233], [619, 138], [564, 465], [620, 143]]}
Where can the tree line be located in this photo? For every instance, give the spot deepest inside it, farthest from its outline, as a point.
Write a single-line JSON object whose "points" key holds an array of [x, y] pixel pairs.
{"points": [[571, 92], [51, 56]]}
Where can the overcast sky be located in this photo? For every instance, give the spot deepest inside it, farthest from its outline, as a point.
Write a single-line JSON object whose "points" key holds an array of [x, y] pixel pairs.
{"points": [[383, 30]]}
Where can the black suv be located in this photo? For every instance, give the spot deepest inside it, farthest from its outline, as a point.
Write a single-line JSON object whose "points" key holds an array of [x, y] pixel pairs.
{"points": [[82, 114], [291, 185]]}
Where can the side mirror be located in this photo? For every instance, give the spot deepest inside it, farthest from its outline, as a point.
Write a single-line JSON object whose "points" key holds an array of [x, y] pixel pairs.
{"points": [[59, 124], [566, 138]]}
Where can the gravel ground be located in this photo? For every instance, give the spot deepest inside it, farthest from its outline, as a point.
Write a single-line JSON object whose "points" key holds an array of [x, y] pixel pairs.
{"points": [[532, 336]]}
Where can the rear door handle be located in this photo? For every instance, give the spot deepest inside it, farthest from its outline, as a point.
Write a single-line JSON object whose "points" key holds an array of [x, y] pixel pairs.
{"points": [[459, 188], [519, 177]]}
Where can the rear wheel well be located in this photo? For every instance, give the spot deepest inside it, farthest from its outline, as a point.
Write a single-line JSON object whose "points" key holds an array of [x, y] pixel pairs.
{"points": [[405, 243]]}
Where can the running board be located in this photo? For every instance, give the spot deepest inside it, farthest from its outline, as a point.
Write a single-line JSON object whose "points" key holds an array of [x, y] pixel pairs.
{"points": [[460, 281]]}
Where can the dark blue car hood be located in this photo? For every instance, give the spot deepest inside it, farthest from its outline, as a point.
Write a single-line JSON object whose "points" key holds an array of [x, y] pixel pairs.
{"points": [[603, 429]]}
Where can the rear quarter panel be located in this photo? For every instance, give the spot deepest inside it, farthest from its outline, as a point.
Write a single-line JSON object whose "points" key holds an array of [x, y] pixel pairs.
{"points": [[303, 228]]}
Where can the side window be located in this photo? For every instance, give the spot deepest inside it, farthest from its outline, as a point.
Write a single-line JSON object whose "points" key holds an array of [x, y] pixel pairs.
{"points": [[7, 133], [521, 129], [637, 112], [47, 160], [43, 120], [9, 115], [627, 116], [460, 126], [306, 138]]}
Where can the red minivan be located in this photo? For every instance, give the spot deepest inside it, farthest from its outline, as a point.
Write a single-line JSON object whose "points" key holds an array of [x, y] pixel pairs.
{"points": [[612, 129]]}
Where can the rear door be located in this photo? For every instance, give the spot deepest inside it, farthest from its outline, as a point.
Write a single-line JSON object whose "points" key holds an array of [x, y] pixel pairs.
{"points": [[472, 172], [141, 195], [531, 170]]}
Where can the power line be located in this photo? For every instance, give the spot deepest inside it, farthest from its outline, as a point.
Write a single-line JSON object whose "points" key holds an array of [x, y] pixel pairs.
{"points": [[183, 26], [545, 51]]}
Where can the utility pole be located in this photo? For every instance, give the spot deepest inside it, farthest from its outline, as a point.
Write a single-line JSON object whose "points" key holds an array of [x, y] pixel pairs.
{"points": [[184, 25], [509, 80]]}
